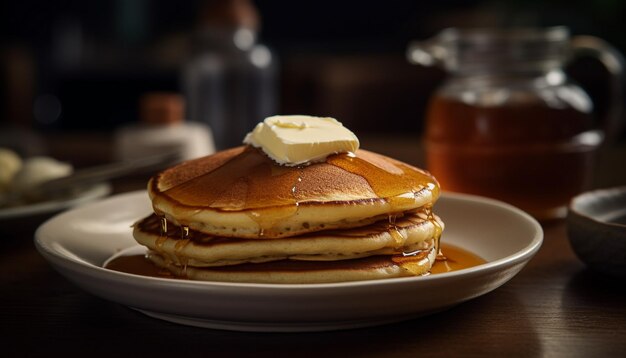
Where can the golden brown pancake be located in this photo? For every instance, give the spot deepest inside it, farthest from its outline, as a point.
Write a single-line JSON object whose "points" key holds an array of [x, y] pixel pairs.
{"points": [[408, 233], [237, 216], [242, 193], [293, 271]]}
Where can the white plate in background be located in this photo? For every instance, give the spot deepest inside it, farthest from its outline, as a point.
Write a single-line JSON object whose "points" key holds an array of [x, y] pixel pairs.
{"points": [[91, 193]]}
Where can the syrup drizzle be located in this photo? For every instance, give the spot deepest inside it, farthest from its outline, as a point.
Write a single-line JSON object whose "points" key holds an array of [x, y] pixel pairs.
{"points": [[438, 228], [160, 241], [178, 250], [410, 260], [163, 226], [414, 263], [396, 234], [457, 259], [252, 182]]}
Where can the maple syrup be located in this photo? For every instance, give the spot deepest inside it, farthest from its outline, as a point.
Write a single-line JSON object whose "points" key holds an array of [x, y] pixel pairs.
{"points": [[251, 182], [526, 154], [508, 122], [455, 259]]}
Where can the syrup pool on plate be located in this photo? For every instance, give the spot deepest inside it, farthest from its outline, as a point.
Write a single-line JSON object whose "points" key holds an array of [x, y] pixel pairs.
{"points": [[453, 258]]}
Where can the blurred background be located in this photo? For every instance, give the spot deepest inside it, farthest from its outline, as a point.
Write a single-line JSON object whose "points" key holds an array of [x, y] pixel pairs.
{"points": [[75, 71]]}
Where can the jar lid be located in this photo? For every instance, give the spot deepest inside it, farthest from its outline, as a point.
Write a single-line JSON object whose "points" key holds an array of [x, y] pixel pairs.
{"points": [[493, 50]]}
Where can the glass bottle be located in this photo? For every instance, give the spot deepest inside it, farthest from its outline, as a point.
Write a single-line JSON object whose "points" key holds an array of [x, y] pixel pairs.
{"points": [[508, 123], [230, 80]]}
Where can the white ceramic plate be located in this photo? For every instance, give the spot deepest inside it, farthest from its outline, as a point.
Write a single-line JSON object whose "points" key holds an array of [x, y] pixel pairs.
{"points": [[91, 193], [79, 241]]}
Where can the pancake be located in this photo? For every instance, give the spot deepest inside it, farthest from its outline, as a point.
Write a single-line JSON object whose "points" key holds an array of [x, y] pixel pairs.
{"points": [[242, 193], [411, 232], [239, 216], [306, 272]]}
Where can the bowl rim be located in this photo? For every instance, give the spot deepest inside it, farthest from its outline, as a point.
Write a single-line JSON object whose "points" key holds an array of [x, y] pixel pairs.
{"points": [[595, 194]]}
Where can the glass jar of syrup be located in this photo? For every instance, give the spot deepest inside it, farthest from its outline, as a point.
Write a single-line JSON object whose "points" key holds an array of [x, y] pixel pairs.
{"points": [[508, 123]]}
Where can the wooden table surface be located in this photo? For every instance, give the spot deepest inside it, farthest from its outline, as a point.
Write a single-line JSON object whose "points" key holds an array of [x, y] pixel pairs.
{"points": [[554, 307]]}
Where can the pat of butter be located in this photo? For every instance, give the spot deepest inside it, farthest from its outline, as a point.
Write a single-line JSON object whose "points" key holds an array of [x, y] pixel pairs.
{"points": [[296, 140]]}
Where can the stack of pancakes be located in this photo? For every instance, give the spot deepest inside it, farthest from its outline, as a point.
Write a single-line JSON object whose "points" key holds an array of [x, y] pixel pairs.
{"points": [[238, 216]]}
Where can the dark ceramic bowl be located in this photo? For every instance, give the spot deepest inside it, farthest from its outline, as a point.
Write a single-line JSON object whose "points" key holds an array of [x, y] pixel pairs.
{"points": [[596, 226]]}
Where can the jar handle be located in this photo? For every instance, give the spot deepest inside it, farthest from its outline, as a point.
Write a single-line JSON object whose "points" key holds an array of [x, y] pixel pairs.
{"points": [[613, 61]]}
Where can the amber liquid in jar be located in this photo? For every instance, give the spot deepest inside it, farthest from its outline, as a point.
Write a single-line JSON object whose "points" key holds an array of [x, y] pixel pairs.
{"points": [[525, 154]]}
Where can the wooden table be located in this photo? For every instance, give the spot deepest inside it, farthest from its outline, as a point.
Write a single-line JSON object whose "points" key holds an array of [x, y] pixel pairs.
{"points": [[554, 307]]}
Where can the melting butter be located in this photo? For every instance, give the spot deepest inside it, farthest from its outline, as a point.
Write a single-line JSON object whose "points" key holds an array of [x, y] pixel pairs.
{"points": [[296, 140]]}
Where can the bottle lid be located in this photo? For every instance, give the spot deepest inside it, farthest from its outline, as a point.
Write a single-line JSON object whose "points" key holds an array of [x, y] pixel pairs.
{"points": [[161, 108]]}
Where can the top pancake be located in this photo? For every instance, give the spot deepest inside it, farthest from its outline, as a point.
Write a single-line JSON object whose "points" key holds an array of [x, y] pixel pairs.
{"points": [[242, 193]]}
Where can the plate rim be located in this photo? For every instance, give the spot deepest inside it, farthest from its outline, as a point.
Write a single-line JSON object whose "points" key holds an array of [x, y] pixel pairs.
{"points": [[519, 256], [91, 194], [310, 308]]}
